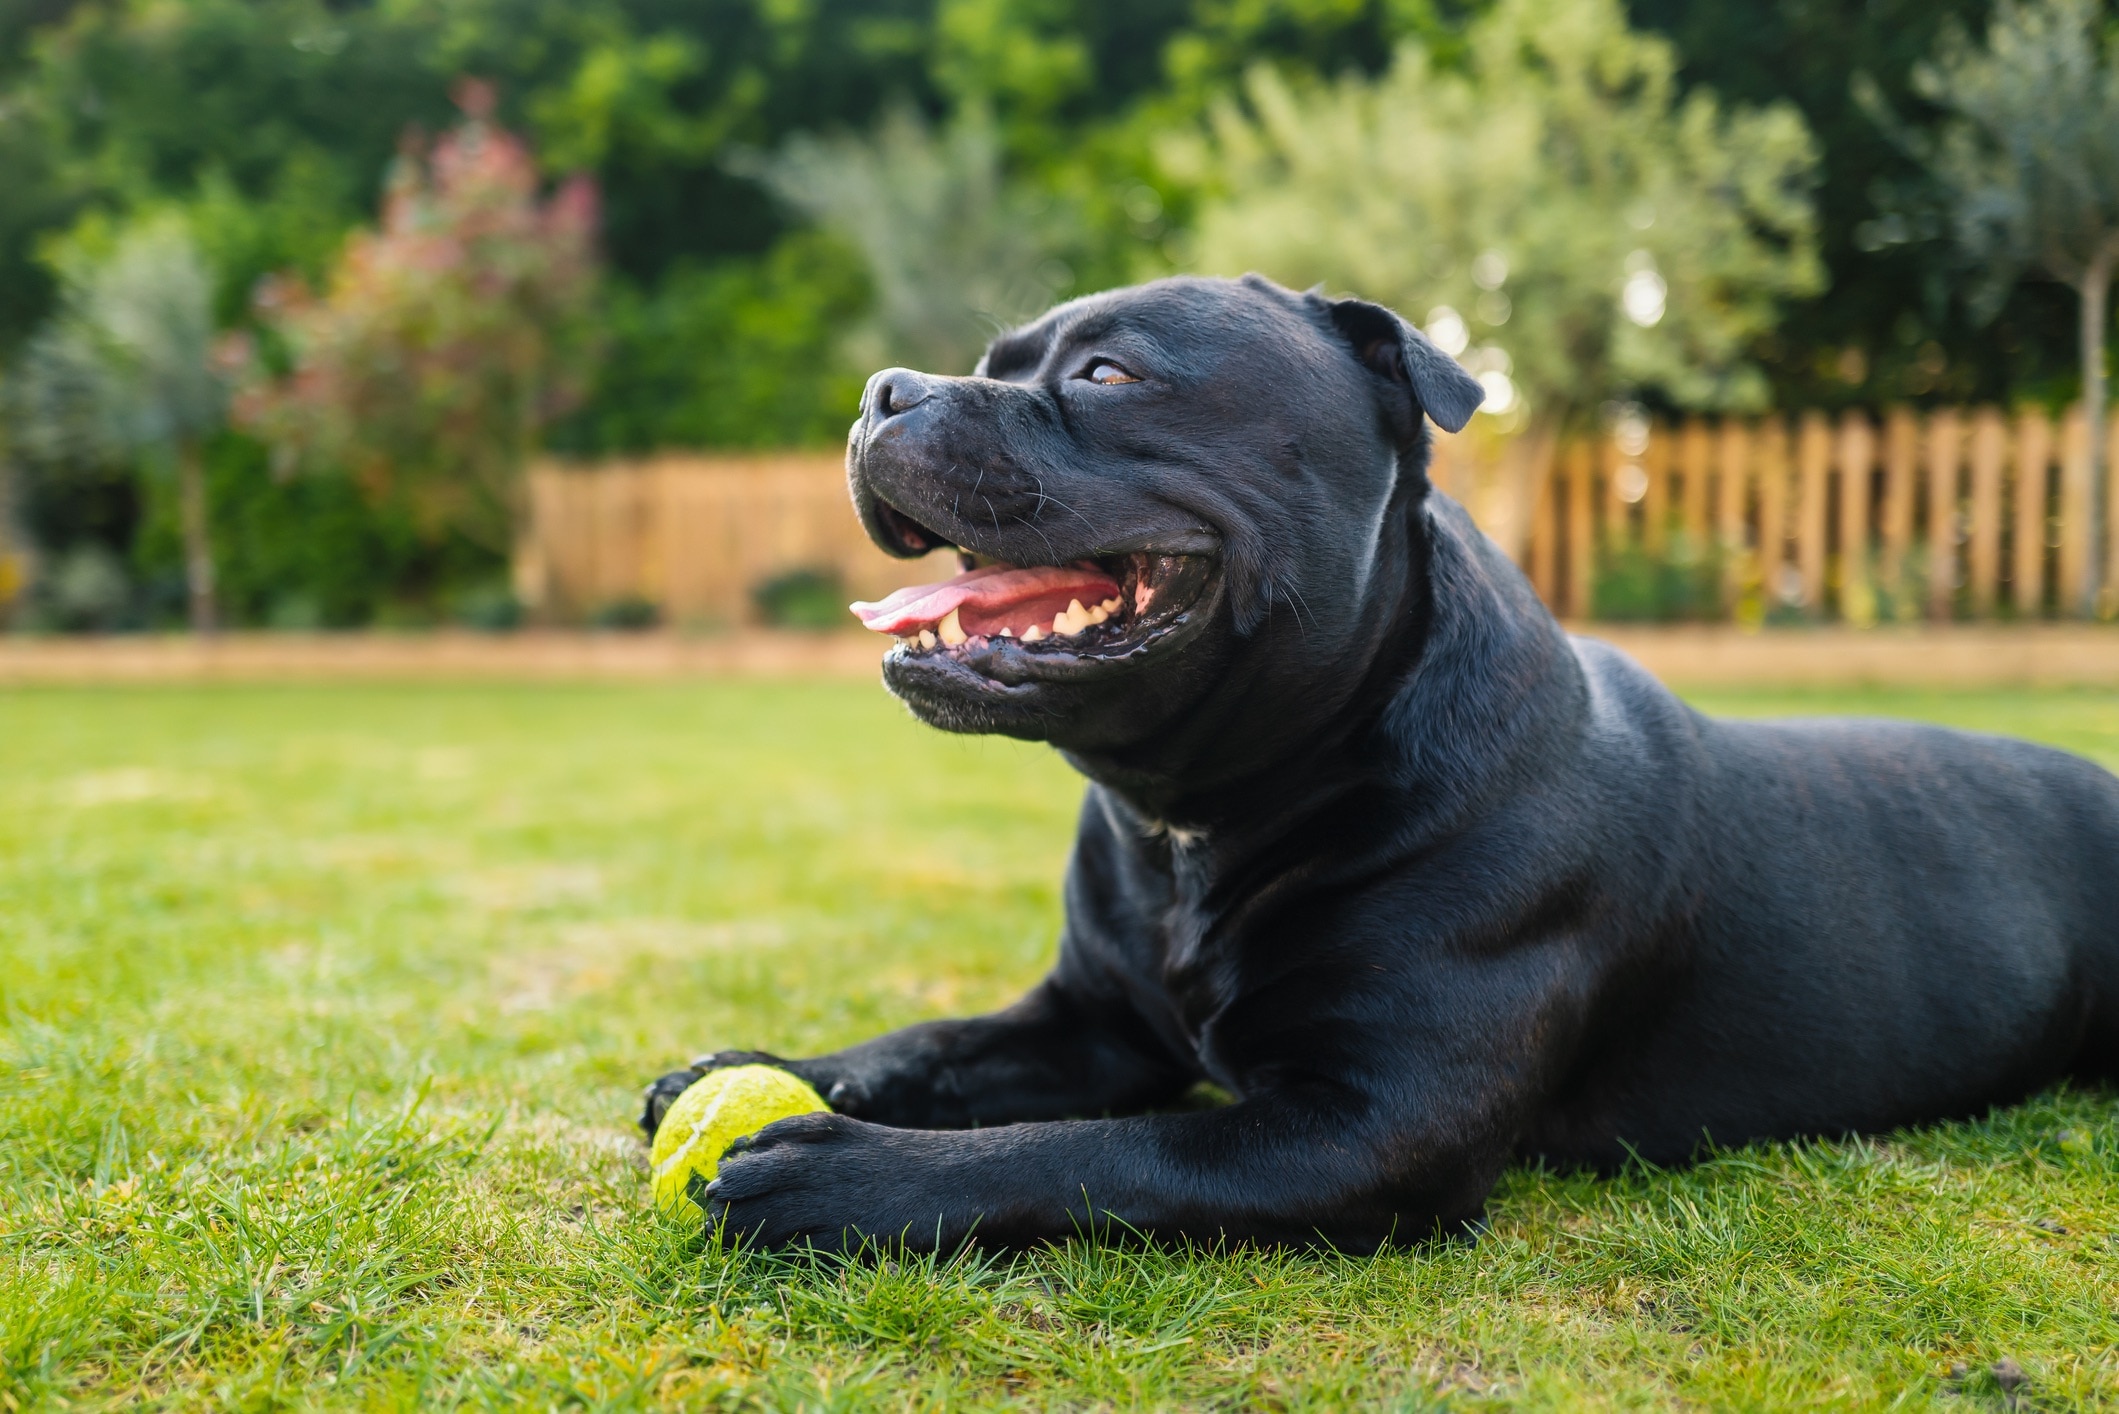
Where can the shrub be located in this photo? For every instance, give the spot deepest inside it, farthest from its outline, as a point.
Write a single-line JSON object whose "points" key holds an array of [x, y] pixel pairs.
{"points": [[802, 598]]}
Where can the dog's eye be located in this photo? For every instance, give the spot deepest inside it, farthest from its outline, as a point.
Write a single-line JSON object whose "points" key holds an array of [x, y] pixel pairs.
{"points": [[1103, 371]]}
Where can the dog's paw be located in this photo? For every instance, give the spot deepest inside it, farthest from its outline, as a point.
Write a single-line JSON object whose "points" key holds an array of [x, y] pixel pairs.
{"points": [[662, 1092], [826, 1180]]}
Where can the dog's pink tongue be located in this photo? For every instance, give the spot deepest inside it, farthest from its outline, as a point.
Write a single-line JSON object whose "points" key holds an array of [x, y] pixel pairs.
{"points": [[994, 593]]}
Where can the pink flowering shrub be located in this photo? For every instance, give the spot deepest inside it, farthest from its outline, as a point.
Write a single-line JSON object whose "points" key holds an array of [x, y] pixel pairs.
{"points": [[445, 340]]}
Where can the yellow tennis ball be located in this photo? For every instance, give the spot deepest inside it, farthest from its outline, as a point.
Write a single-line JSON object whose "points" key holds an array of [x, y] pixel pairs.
{"points": [[719, 1108]]}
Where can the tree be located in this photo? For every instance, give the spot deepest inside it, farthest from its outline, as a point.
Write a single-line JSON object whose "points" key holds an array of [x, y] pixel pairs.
{"points": [[1890, 327], [127, 368], [2030, 166], [955, 251], [1551, 209], [446, 340]]}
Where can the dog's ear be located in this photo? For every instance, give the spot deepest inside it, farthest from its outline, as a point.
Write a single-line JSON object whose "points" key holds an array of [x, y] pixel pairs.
{"points": [[1392, 347]]}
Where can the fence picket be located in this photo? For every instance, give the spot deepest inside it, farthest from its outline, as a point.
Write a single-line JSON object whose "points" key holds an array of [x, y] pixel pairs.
{"points": [[1545, 540], [1990, 450], [1857, 474], [2074, 511], [1813, 490], [2032, 493], [1695, 465], [1945, 447], [2111, 515], [1770, 460], [1732, 505], [1901, 454], [1656, 462], [1581, 547]]}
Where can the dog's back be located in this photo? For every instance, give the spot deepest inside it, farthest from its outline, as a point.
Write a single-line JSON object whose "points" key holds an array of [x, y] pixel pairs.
{"points": [[1881, 923]]}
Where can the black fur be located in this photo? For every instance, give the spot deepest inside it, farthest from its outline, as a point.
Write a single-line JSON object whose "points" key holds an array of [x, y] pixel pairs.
{"points": [[1423, 882]]}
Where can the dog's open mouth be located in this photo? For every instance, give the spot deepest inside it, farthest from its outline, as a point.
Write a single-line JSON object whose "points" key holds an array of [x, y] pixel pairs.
{"points": [[1108, 607]]}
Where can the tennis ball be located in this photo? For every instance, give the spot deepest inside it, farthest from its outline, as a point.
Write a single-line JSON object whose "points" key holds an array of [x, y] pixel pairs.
{"points": [[717, 1109]]}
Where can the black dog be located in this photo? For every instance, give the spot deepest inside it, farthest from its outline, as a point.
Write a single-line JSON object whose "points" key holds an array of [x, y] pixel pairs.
{"points": [[1421, 881]]}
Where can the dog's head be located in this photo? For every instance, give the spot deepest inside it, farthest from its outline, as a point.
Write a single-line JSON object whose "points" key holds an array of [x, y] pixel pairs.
{"points": [[1155, 489]]}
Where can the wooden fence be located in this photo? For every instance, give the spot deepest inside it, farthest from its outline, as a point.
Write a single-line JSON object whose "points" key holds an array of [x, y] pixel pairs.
{"points": [[695, 534], [1952, 514]]}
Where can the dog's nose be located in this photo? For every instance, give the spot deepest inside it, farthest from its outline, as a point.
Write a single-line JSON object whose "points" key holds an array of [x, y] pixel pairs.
{"points": [[895, 391]]}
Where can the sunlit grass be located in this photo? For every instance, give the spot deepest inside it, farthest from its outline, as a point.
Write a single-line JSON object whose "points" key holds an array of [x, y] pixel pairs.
{"points": [[325, 1013]]}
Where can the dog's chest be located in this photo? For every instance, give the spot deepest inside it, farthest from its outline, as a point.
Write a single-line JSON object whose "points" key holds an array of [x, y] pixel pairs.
{"points": [[1198, 967]]}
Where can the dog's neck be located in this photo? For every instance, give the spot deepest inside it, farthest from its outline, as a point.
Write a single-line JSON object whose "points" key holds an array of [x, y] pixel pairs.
{"points": [[1460, 668]]}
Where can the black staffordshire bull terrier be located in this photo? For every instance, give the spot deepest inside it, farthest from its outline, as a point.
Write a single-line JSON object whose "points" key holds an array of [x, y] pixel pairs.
{"points": [[1422, 882]]}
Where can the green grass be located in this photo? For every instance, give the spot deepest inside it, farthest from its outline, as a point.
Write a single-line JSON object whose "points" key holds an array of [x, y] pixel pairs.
{"points": [[323, 1013]]}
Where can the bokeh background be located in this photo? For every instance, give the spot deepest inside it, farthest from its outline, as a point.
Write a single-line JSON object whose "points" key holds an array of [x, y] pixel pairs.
{"points": [[296, 298]]}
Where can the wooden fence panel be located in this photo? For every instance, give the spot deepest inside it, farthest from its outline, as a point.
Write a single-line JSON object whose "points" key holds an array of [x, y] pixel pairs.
{"points": [[1812, 517]]}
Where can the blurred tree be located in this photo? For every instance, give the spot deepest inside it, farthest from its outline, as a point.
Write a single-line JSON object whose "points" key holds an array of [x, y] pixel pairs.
{"points": [[2030, 162], [446, 340], [1552, 211], [955, 251], [126, 367], [1891, 323], [282, 113]]}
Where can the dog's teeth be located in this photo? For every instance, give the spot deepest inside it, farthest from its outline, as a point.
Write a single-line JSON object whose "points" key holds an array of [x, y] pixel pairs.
{"points": [[1109, 606], [927, 638], [1033, 633], [1006, 632], [1072, 619], [952, 631], [1098, 614]]}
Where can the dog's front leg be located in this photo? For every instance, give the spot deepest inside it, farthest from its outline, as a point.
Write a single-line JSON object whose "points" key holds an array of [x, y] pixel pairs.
{"points": [[1299, 1167], [1049, 1056]]}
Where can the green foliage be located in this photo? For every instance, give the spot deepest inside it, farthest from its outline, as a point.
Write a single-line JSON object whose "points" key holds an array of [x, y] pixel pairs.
{"points": [[628, 613], [447, 339], [323, 1014], [956, 250], [314, 552], [1892, 322], [744, 352], [1634, 585], [2029, 158], [803, 598], [284, 107], [126, 369], [127, 363], [2029, 164], [1554, 198]]}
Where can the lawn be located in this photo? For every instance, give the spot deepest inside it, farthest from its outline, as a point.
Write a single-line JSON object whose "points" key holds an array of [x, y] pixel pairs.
{"points": [[323, 1014]]}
